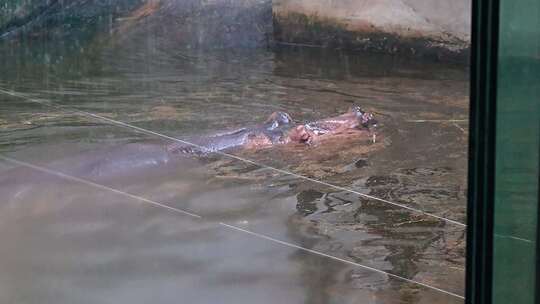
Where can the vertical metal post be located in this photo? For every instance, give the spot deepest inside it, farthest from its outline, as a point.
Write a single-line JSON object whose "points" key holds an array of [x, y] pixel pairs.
{"points": [[483, 84]]}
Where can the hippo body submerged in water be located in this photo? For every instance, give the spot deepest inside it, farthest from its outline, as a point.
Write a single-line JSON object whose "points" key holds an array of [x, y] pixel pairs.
{"points": [[155, 156]]}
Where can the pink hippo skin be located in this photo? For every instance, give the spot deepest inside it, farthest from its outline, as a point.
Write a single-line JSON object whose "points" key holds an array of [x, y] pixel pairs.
{"points": [[354, 120]]}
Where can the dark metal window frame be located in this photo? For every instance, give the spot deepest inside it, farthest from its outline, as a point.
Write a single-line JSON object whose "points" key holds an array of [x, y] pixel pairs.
{"points": [[537, 291], [483, 86], [481, 177], [537, 294]]}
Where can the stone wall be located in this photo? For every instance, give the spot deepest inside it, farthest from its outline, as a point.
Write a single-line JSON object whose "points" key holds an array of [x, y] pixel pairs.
{"points": [[438, 28], [49, 17]]}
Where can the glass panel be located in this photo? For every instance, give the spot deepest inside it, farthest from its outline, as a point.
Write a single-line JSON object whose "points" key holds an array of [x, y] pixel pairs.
{"points": [[517, 148], [138, 161]]}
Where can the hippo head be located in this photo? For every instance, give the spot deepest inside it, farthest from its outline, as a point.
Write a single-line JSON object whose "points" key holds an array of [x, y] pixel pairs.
{"points": [[366, 119]]}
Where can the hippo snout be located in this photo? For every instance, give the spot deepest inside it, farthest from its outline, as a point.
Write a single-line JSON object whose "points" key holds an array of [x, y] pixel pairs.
{"points": [[367, 119]]}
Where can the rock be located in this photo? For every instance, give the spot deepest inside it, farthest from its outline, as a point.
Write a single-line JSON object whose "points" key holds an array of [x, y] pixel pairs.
{"points": [[411, 27]]}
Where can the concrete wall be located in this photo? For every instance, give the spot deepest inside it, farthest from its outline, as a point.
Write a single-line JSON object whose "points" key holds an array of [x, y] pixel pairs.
{"points": [[452, 17], [201, 24], [419, 24]]}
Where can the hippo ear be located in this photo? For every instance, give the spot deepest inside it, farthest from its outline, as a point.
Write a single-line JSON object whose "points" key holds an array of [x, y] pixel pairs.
{"points": [[356, 110]]}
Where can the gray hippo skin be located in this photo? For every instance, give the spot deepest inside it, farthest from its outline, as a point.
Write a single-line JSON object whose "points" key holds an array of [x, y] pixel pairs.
{"points": [[270, 133]]}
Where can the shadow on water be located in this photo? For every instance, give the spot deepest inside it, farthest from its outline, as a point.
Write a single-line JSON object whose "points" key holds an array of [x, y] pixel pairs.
{"points": [[79, 243]]}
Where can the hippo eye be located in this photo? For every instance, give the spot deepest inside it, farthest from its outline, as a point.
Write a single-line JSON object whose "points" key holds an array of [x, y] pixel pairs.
{"points": [[286, 118]]}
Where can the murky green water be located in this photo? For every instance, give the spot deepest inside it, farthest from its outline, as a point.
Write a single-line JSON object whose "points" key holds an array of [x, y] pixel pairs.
{"points": [[68, 242]]}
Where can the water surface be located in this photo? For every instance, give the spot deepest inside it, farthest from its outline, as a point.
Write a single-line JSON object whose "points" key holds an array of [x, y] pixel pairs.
{"points": [[70, 242]]}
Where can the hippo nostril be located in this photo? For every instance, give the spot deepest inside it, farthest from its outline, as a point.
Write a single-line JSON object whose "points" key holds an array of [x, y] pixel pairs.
{"points": [[368, 121]]}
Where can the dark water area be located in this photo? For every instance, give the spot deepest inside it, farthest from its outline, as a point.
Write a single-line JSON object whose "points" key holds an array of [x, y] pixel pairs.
{"points": [[65, 241]]}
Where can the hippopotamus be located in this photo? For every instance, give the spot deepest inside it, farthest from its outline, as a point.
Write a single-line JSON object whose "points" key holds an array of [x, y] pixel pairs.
{"points": [[279, 129], [157, 156]]}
